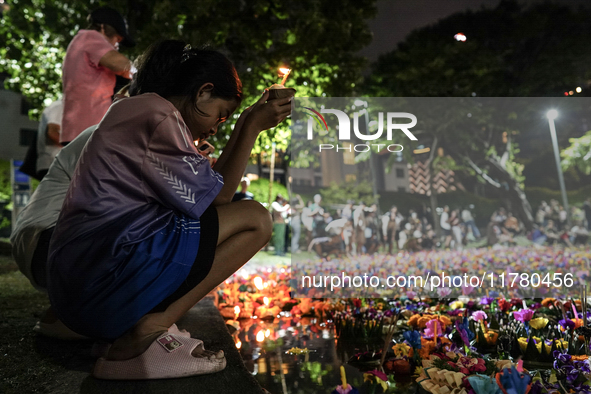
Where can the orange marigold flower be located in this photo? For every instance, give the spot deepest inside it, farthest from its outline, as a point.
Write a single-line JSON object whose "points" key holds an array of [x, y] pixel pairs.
{"points": [[491, 337], [414, 321], [548, 301], [444, 320], [427, 347], [422, 323]]}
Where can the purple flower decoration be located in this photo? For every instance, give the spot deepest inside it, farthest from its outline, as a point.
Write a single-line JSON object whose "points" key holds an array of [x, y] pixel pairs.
{"points": [[561, 357], [463, 333], [443, 291], [479, 316], [523, 315], [486, 300], [567, 324], [378, 374], [433, 325], [537, 388]]}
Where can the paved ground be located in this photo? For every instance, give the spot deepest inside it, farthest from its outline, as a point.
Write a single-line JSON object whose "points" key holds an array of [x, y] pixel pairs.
{"points": [[203, 321], [30, 363]]}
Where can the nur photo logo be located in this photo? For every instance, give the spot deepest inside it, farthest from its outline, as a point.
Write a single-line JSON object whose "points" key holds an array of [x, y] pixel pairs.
{"points": [[387, 121]]}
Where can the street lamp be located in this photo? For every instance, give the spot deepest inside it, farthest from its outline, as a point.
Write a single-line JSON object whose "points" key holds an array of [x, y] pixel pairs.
{"points": [[551, 115]]}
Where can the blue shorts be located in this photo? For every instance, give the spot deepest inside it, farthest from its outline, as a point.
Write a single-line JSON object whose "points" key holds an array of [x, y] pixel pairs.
{"points": [[105, 293]]}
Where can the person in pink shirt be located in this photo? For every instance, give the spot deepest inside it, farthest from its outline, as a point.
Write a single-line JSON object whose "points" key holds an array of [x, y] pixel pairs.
{"points": [[147, 227], [89, 71]]}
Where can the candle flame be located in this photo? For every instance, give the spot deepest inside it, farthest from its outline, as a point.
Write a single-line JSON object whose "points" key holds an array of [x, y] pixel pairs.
{"points": [[267, 333], [284, 72], [237, 310], [260, 336], [238, 344], [258, 283], [266, 301]]}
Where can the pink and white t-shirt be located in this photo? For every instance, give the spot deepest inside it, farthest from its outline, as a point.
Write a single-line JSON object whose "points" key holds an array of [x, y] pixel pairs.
{"points": [[87, 86], [129, 229], [141, 159]]}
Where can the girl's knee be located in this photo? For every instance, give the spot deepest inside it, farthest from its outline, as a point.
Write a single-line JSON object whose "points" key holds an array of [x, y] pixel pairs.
{"points": [[244, 216], [262, 219]]}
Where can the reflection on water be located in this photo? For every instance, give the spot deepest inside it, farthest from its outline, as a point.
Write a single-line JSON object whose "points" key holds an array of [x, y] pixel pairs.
{"points": [[265, 348]]}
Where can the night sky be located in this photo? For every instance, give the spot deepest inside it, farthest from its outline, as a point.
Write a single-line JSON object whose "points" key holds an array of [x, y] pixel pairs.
{"points": [[397, 18]]}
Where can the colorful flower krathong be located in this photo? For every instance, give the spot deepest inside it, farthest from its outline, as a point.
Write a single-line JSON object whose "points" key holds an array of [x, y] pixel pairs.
{"points": [[446, 341]]}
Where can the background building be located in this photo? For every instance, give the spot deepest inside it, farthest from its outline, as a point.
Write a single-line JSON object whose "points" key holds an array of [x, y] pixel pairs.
{"points": [[16, 129]]}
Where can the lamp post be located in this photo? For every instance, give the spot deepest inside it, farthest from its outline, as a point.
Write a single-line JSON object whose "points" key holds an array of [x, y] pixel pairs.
{"points": [[551, 115]]}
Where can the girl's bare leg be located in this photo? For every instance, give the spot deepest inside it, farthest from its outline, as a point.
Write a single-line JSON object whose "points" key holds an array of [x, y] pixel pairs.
{"points": [[244, 228]]}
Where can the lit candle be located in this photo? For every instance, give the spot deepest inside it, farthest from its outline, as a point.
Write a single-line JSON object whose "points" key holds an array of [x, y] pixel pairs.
{"points": [[258, 283], [285, 72], [260, 336], [343, 378]]}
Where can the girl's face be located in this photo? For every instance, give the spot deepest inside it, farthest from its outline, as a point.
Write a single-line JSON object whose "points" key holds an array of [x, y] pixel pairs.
{"points": [[204, 118]]}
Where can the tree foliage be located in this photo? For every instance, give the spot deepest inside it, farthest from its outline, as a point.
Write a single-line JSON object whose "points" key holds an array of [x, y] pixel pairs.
{"points": [[510, 51], [315, 38], [356, 191], [578, 154], [260, 189]]}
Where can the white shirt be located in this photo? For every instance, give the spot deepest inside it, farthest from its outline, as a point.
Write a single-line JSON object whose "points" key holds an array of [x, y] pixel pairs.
{"points": [[45, 205], [47, 149], [467, 215], [443, 221]]}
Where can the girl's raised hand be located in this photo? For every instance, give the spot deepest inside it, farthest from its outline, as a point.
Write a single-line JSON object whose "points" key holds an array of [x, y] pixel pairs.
{"points": [[268, 114]]}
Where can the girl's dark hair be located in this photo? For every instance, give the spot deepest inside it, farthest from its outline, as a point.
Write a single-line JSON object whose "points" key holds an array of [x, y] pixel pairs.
{"points": [[170, 68]]}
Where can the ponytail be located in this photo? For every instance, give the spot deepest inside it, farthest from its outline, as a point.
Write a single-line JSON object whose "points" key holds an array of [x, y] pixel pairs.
{"points": [[171, 68]]}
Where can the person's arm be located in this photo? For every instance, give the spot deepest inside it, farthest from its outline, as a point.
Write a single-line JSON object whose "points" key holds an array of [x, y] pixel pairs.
{"points": [[53, 133], [232, 163], [281, 208], [300, 204], [233, 138], [117, 63], [316, 211]]}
